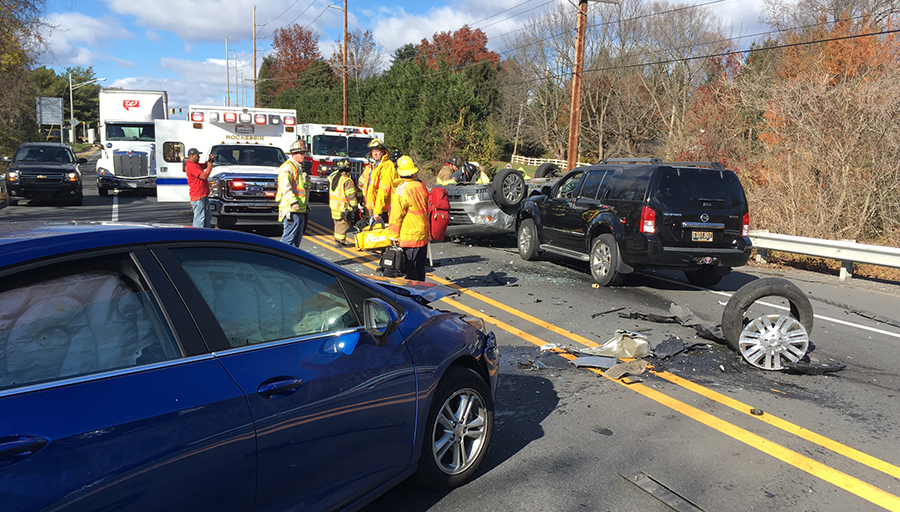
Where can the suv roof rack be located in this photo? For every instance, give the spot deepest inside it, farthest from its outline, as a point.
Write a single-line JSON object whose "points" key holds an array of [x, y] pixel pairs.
{"points": [[712, 165], [648, 161]]}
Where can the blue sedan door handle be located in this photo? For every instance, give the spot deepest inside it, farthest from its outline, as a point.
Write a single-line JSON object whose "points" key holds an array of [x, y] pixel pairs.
{"points": [[279, 387], [16, 448]]}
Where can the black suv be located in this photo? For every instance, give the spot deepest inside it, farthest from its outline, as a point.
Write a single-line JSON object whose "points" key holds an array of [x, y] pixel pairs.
{"points": [[623, 215], [44, 170]]}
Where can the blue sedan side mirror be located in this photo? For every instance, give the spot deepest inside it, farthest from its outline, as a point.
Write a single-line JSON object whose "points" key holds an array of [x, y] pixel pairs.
{"points": [[381, 320]]}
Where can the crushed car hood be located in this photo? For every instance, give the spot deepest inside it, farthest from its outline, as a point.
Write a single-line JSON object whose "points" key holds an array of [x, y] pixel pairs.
{"points": [[421, 291]]}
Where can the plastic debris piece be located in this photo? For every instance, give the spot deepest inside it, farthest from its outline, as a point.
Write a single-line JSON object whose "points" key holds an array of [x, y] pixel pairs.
{"points": [[722, 368], [624, 344], [659, 491], [756, 412], [595, 315], [595, 286], [636, 367], [815, 368], [593, 362], [668, 348], [549, 346]]}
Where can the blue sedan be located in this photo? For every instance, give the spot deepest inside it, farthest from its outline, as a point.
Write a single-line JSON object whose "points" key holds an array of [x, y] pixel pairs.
{"points": [[165, 368]]}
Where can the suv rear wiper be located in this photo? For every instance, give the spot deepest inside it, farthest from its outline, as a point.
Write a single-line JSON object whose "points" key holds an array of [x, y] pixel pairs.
{"points": [[710, 200]]}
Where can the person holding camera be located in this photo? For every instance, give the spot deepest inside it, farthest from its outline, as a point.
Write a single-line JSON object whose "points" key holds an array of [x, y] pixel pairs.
{"points": [[198, 185]]}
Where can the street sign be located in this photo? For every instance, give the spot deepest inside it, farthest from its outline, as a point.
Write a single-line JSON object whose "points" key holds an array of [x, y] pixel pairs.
{"points": [[50, 110], [74, 122]]}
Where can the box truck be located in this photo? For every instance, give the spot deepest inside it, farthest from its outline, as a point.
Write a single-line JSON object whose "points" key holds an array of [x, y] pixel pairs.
{"points": [[127, 138]]}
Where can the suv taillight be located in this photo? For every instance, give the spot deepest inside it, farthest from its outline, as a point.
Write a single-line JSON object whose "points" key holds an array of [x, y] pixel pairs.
{"points": [[745, 225], [648, 220]]}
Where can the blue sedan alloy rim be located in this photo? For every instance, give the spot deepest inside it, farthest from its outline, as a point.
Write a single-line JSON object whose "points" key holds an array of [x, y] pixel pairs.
{"points": [[459, 431]]}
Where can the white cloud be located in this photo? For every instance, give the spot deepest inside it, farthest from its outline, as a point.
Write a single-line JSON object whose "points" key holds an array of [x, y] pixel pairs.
{"points": [[74, 36], [153, 36]]}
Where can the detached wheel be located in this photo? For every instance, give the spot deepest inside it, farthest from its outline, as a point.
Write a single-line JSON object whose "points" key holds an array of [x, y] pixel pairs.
{"points": [[771, 341], [458, 431], [509, 187], [548, 170], [733, 317], [705, 277], [528, 241], [605, 260], [103, 191]]}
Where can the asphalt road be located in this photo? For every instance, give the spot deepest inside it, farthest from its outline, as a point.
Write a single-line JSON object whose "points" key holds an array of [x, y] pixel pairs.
{"points": [[570, 439]]}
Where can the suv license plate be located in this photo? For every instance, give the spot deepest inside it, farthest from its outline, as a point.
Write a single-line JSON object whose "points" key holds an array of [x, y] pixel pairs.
{"points": [[701, 236]]}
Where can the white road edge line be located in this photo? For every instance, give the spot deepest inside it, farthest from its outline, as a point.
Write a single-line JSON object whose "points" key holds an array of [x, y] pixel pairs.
{"points": [[776, 306], [115, 209]]}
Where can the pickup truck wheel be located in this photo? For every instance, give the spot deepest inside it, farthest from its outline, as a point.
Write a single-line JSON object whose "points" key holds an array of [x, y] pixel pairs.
{"points": [[78, 200], [458, 431], [509, 187], [527, 237], [605, 260], [103, 191], [548, 170], [705, 277], [734, 322]]}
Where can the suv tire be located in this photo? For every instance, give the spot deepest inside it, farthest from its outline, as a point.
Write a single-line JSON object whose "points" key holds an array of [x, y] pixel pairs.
{"points": [[605, 260], [509, 187], [103, 191], [706, 277], [527, 240], [548, 170], [733, 317]]}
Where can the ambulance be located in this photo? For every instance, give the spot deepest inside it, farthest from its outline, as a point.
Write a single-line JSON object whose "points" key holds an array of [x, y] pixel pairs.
{"points": [[326, 142], [248, 144]]}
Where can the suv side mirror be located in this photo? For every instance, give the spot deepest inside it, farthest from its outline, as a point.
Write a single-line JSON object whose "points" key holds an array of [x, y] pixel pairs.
{"points": [[381, 320], [545, 190]]}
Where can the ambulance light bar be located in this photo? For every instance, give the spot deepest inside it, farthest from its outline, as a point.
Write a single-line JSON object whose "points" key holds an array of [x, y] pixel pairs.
{"points": [[197, 117], [290, 120], [260, 119], [230, 117]]}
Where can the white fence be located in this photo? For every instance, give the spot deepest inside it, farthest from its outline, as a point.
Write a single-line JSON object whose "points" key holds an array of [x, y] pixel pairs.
{"points": [[847, 252], [563, 164]]}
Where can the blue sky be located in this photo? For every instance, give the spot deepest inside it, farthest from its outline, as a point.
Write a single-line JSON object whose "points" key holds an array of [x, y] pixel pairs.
{"points": [[179, 45]]}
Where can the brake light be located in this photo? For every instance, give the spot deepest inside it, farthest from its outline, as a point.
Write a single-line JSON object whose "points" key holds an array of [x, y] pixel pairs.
{"points": [[197, 117], [229, 117], [260, 119], [290, 120], [648, 220], [745, 228], [237, 185]]}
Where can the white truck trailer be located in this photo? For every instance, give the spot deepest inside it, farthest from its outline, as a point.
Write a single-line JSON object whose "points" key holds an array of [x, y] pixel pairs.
{"points": [[249, 145], [127, 138]]}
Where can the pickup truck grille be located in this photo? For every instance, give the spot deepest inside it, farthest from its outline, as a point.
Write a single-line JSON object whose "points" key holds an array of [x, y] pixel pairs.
{"points": [[131, 164], [250, 190]]}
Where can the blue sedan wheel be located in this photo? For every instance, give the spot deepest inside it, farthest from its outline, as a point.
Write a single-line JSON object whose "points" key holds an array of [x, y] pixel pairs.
{"points": [[460, 425]]}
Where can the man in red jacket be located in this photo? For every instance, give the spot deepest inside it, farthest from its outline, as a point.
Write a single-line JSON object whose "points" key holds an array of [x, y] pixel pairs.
{"points": [[198, 183]]}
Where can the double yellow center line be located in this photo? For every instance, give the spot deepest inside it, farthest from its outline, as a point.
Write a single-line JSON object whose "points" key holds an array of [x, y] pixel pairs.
{"points": [[851, 484]]}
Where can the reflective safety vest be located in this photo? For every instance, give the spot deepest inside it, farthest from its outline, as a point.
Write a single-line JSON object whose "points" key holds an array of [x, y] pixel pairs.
{"points": [[291, 189], [341, 194], [379, 185], [409, 213]]}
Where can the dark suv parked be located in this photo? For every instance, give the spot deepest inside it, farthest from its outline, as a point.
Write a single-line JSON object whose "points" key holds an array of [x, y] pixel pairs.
{"points": [[623, 215], [44, 170]]}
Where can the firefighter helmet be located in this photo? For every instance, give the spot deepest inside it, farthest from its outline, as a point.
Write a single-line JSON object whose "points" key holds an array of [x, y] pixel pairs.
{"points": [[405, 167], [299, 147], [377, 144], [342, 164]]}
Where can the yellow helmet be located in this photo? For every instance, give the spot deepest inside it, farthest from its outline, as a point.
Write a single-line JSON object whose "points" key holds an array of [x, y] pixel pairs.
{"points": [[405, 167], [376, 144]]}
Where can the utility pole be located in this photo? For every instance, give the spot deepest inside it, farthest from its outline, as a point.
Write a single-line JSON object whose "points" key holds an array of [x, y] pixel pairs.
{"points": [[254, 57], [227, 77], [345, 63]]}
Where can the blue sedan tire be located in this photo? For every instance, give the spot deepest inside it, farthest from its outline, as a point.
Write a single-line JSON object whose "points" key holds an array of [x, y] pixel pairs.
{"points": [[458, 431]]}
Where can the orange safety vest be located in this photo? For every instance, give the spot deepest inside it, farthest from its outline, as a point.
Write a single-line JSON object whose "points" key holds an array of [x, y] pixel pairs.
{"points": [[409, 213]]}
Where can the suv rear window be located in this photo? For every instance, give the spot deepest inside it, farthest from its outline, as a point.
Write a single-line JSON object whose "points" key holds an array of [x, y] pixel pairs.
{"points": [[699, 188]]}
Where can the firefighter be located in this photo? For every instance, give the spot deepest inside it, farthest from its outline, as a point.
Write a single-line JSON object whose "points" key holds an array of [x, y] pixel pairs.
{"points": [[443, 176], [341, 199], [379, 181], [409, 218], [469, 173], [291, 196]]}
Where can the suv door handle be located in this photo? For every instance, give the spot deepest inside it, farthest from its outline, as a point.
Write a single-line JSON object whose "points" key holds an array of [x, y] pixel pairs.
{"points": [[279, 387], [15, 446]]}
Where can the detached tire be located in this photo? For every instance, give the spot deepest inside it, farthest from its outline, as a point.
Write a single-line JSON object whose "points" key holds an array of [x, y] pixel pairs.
{"points": [[548, 170], [527, 240], [605, 260], [458, 430], [509, 187], [733, 318]]}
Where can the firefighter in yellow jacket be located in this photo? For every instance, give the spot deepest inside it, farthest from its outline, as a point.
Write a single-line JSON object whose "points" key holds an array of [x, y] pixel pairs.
{"points": [[291, 196], [379, 181], [409, 217], [341, 199]]}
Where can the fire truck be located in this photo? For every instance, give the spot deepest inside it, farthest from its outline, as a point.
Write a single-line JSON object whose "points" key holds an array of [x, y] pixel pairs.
{"points": [[249, 145], [327, 142]]}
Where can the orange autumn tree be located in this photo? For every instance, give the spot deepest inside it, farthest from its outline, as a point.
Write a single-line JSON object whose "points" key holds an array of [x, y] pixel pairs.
{"points": [[295, 48], [459, 49]]}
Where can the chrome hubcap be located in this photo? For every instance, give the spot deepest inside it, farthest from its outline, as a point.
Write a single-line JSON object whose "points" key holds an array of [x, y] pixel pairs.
{"points": [[512, 188], [770, 341], [459, 432], [600, 258]]}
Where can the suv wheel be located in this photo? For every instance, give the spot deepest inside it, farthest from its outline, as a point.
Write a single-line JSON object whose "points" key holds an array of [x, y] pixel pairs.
{"points": [[528, 240], [548, 170], [103, 191], [605, 260], [705, 277], [509, 187]]}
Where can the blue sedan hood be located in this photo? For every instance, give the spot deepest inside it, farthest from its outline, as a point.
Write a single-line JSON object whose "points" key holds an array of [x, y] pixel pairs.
{"points": [[421, 291]]}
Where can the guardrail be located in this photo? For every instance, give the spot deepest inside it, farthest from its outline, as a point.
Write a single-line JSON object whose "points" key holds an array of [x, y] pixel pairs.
{"points": [[847, 252], [563, 164]]}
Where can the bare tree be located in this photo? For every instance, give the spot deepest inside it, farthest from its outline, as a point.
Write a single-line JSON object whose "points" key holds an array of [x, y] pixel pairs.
{"points": [[365, 57]]}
